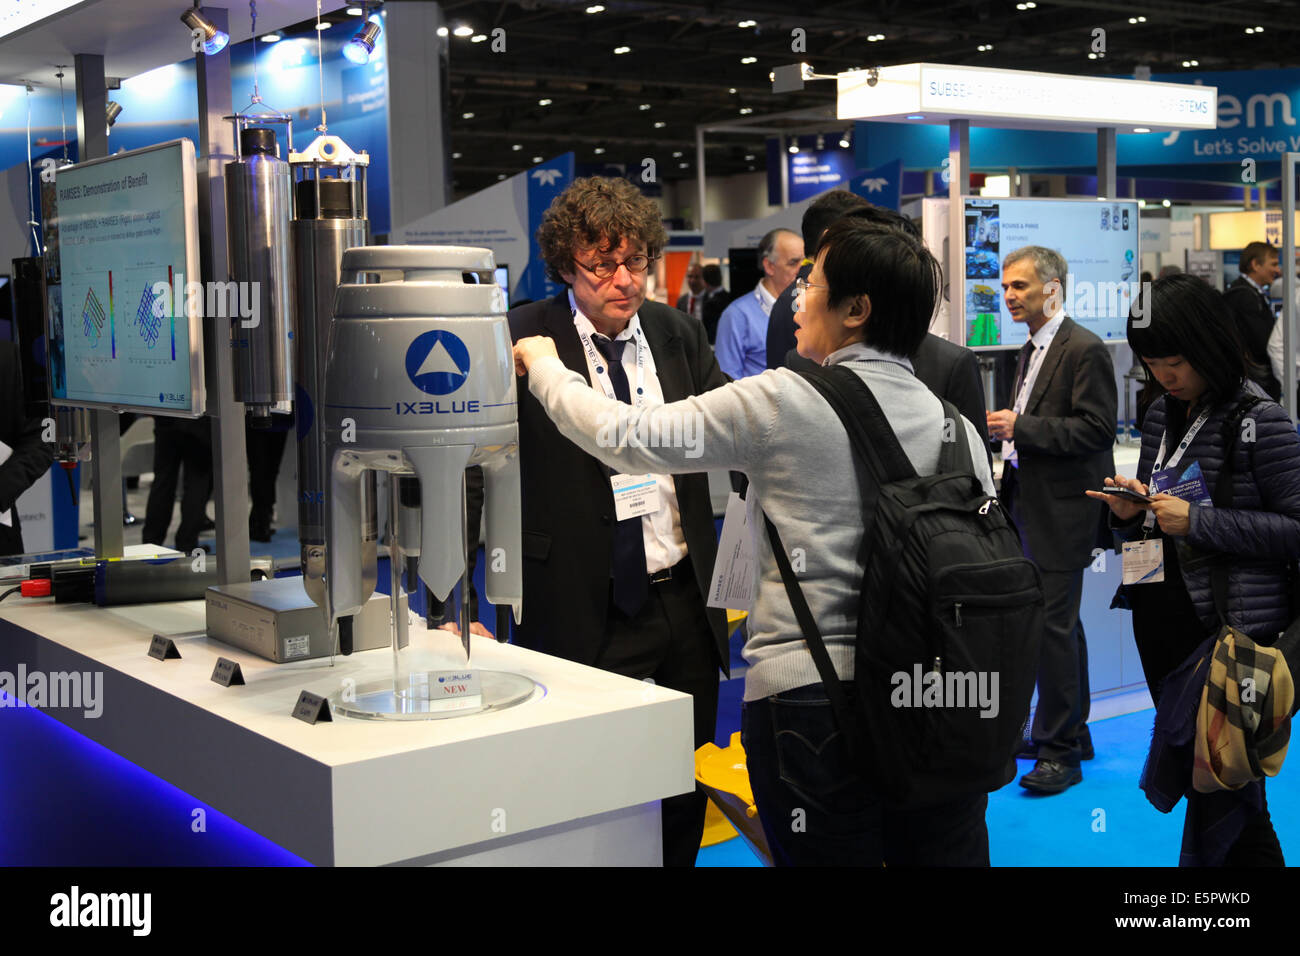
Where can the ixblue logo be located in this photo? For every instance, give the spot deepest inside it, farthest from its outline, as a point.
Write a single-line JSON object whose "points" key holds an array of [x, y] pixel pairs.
{"points": [[437, 362]]}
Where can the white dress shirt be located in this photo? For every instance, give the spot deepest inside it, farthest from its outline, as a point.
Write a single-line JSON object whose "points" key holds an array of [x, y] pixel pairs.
{"points": [[1042, 340], [665, 544]]}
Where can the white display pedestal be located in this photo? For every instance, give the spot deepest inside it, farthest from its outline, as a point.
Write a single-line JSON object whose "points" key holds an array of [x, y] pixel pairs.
{"points": [[572, 776]]}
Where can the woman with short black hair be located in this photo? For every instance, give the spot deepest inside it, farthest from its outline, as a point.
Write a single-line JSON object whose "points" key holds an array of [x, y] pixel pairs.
{"points": [[1194, 361]]}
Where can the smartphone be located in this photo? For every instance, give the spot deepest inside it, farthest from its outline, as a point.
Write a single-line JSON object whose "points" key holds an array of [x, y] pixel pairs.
{"points": [[1126, 494]]}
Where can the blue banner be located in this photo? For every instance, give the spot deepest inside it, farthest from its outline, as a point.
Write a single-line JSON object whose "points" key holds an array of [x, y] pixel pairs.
{"points": [[545, 182], [882, 186]]}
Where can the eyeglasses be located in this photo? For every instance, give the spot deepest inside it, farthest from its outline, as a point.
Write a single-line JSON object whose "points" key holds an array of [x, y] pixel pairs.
{"points": [[802, 285], [606, 267]]}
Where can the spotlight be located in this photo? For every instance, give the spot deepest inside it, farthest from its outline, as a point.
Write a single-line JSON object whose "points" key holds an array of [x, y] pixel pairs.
{"points": [[544, 102], [463, 31], [598, 150], [478, 38], [359, 48], [214, 40], [660, 125], [844, 140], [271, 38], [622, 49], [356, 12], [1166, 203], [536, 160], [793, 148], [443, 31], [677, 154], [821, 142], [112, 111], [748, 59]]}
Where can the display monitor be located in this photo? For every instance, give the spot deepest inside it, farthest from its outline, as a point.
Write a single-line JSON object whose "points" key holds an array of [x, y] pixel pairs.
{"points": [[126, 322], [1098, 239]]}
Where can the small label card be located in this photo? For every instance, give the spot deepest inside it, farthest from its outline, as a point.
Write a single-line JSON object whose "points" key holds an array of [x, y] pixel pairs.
{"points": [[227, 673], [163, 648], [312, 708]]}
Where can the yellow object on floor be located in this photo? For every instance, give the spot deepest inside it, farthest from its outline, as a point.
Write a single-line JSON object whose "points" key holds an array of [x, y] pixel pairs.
{"points": [[733, 621], [724, 776]]}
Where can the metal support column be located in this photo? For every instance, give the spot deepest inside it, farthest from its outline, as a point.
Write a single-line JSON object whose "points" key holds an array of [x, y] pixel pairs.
{"points": [[229, 453], [1289, 164], [958, 186], [699, 177], [785, 172], [1107, 186], [105, 442]]}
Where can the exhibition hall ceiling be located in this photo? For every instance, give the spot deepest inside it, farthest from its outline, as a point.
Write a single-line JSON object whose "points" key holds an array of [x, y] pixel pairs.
{"points": [[687, 63]]}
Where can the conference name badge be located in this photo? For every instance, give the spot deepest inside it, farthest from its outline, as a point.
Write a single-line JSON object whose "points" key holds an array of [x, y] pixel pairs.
{"points": [[1144, 561], [634, 496]]}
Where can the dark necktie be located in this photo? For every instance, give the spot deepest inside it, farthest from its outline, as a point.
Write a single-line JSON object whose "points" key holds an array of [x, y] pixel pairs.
{"points": [[1021, 367], [631, 580]]}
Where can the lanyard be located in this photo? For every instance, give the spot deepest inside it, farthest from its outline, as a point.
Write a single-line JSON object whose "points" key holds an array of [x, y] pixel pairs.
{"points": [[598, 363], [1160, 465]]}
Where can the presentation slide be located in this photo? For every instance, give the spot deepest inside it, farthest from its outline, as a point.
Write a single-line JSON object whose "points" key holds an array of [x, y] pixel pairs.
{"points": [[126, 334], [1099, 241]]}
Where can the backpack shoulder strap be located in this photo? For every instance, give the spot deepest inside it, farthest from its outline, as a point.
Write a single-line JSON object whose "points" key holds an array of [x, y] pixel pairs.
{"points": [[869, 431], [955, 455]]}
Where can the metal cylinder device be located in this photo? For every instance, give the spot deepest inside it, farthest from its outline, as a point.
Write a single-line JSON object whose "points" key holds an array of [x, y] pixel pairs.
{"points": [[328, 219], [420, 381], [259, 301]]}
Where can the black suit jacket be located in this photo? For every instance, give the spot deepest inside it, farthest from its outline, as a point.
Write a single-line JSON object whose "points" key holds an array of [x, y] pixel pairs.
{"points": [[715, 303], [1255, 320], [30, 458], [780, 324], [568, 505], [1065, 443], [950, 371]]}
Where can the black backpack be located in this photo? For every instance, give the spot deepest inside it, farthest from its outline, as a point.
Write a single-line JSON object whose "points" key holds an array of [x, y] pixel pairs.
{"points": [[946, 590]]}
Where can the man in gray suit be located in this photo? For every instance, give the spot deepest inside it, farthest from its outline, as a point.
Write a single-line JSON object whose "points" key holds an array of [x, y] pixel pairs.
{"points": [[1057, 442], [692, 303]]}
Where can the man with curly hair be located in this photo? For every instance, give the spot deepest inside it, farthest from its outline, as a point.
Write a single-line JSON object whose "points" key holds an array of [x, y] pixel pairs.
{"points": [[616, 581]]}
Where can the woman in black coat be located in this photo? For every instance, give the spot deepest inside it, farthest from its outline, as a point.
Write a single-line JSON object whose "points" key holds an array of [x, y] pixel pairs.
{"points": [[1195, 363]]}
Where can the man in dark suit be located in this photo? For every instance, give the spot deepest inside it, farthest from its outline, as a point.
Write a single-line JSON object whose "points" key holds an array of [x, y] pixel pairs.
{"points": [[25, 457], [1247, 296], [623, 595], [692, 303], [716, 299], [950, 371], [1058, 441]]}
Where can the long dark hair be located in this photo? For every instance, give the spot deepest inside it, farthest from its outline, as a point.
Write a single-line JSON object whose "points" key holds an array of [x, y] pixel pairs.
{"points": [[1182, 315]]}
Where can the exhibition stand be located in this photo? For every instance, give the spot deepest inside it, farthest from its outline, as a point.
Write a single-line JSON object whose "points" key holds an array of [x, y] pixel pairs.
{"points": [[573, 775]]}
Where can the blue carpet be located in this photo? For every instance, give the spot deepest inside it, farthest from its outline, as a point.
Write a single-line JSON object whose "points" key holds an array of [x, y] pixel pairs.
{"points": [[1103, 821]]}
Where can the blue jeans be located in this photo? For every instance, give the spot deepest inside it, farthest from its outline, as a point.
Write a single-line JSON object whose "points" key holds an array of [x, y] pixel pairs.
{"points": [[816, 808]]}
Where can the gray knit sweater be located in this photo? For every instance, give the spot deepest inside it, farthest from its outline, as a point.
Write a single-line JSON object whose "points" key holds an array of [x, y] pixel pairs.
{"points": [[778, 430]]}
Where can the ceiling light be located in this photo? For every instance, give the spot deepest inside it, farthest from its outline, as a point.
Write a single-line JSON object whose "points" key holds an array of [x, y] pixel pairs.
{"points": [[443, 31], [1141, 129], [596, 8], [1092, 56], [622, 49], [731, 89], [875, 37], [537, 159], [677, 154], [915, 116], [748, 59], [455, 155], [463, 31], [271, 38], [500, 176], [844, 140], [821, 142], [359, 48], [793, 148], [478, 38], [644, 106], [748, 157], [598, 150], [323, 25], [660, 125], [683, 165], [1137, 19], [1166, 203], [466, 115], [517, 146], [746, 24], [214, 40], [543, 102], [746, 110], [355, 12]]}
